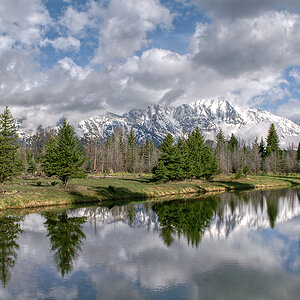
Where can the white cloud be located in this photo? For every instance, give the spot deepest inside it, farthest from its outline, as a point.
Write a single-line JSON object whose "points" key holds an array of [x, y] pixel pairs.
{"points": [[126, 24], [295, 74], [269, 41], [23, 22], [240, 55], [76, 21], [236, 9], [290, 109], [63, 44], [74, 70]]}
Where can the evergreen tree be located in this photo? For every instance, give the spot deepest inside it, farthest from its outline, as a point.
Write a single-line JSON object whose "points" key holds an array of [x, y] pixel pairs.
{"points": [[49, 160], [199, 159], [63, 156], [272, 141], [170, 163], [262, 149], [233, 143], [11, 163], [298, 152], [131, 151]]}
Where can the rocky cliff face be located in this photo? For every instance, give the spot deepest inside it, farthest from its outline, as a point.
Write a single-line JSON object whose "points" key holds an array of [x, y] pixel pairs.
{"points": [[209, 115]]}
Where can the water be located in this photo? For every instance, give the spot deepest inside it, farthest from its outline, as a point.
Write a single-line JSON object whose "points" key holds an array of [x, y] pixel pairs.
{"points": [[230, 246]]}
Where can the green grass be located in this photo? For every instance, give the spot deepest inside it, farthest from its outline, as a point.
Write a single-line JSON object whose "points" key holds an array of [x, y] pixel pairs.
{"points": [[22, 193]]}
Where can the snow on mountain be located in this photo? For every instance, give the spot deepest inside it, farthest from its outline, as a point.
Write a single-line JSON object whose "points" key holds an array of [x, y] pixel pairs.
{"points": [[209, 115]]}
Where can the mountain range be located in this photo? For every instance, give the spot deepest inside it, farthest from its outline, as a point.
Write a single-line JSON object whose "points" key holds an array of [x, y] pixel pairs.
{"points": [[210, 115]]}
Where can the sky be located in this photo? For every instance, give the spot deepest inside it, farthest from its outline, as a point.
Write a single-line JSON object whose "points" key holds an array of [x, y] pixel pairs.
{"points": [[77, 59]]}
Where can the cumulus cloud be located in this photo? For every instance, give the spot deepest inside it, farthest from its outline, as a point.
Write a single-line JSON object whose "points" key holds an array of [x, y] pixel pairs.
{"points": [[240, 54], [290, 109], [23, 23], [125, 26], [63, 44], [295, 74], [236, 9], [77, 21], [267, 41]]}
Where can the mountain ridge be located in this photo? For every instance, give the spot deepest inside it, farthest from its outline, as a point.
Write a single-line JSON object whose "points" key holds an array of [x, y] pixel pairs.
{"points": [[210, 115]]}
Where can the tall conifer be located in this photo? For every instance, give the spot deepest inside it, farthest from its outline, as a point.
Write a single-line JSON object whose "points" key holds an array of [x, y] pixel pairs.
{"points": [[272, 141], [64, 156], [10, 161]]}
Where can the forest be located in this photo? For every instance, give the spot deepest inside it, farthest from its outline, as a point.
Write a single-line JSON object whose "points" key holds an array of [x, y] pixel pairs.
{"points": [[62, 153]]}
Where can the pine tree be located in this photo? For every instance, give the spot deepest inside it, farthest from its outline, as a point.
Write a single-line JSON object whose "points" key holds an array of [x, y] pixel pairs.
{"points": [[10, 161], [262, 149], [170, 163], [131, 151], [50, 159], [298, 152], [272, 141], [64, 156], [199, 159], [233, 143], [160, 172]]}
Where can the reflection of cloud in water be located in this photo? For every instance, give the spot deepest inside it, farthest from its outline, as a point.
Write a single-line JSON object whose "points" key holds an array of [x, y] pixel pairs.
{"points": [[119, 260]]}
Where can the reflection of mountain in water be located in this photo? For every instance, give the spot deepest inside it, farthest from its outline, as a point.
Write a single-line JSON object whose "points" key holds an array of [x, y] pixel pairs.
{"points": [[209, 217]]}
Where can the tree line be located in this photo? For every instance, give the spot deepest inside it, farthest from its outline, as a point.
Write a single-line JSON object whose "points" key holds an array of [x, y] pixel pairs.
{"points": [[64, 155]]}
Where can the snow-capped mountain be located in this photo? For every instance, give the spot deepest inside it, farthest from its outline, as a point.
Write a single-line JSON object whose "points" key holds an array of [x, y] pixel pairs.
{"points": [[209, 115]]}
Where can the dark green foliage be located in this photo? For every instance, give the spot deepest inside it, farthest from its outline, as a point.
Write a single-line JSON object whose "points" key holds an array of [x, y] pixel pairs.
{"points": [[131, 151], [49, 160], [239, 174], [10, 230], [63, 155], [272, 141], [170, 163], [160, 172], [186, 159], [298, 152], [11, 163], [262, 148], [246, 170], [221, 137], [233, 143], [199, 160], [66, 237], [272, 209], [190, 218]]}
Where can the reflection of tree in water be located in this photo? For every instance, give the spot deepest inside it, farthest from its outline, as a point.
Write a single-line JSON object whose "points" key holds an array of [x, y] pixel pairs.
{"points": [[272, 208], [9, 233], [130, 213], [66, 237], [189, 218]]}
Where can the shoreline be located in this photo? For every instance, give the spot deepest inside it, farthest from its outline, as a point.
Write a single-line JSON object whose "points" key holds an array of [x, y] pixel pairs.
{"points": [[42, 193]]}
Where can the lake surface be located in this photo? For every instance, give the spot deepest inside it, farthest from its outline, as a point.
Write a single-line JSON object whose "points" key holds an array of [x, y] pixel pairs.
{"points": [[231, 246]]}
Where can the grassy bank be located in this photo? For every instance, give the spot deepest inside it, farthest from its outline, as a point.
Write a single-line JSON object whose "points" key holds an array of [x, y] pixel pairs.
{"points": [[44, 192]]}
